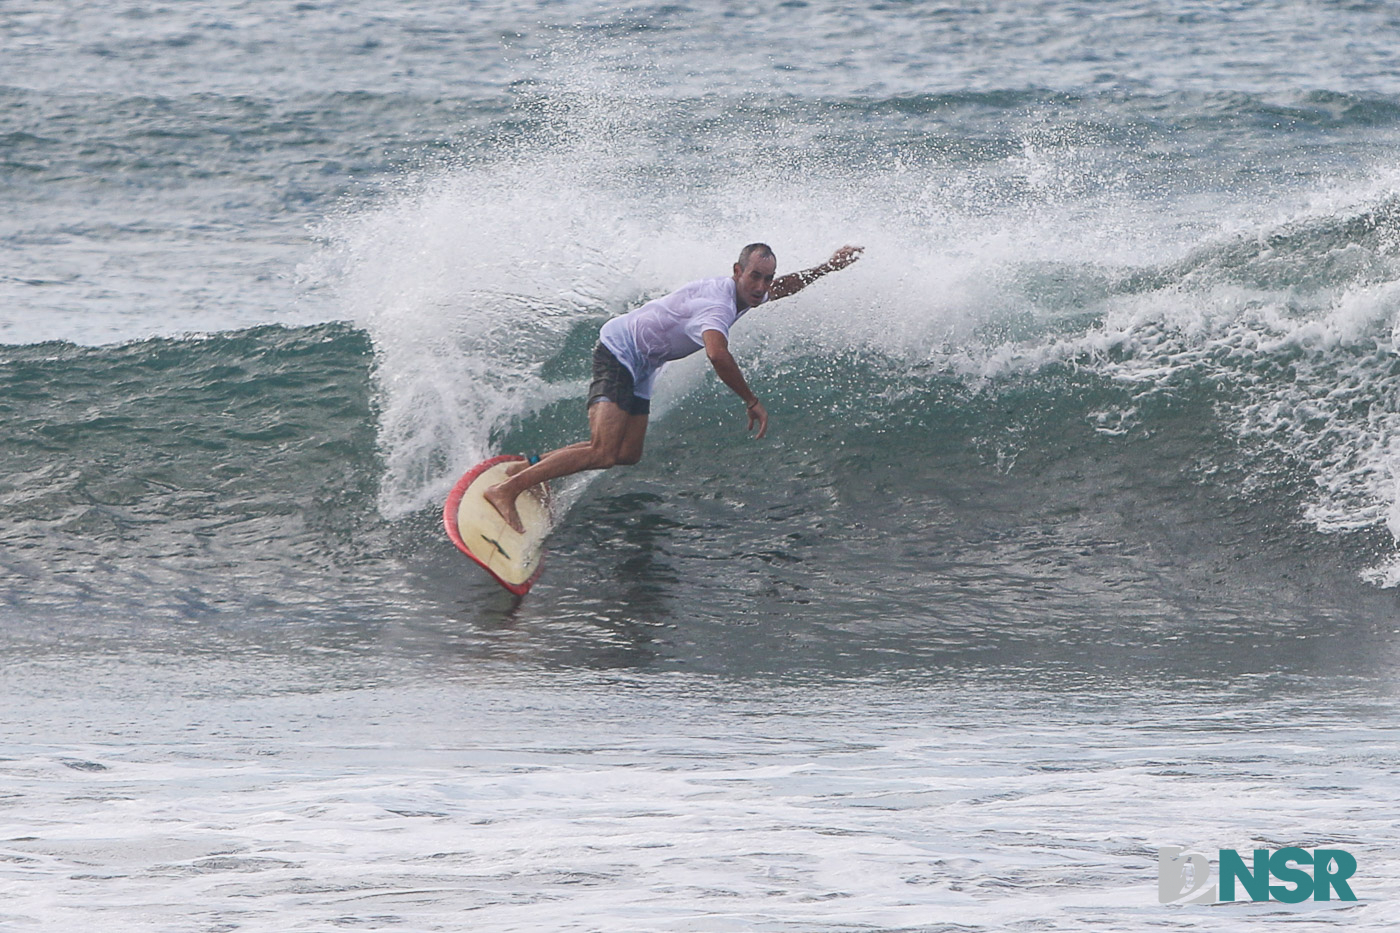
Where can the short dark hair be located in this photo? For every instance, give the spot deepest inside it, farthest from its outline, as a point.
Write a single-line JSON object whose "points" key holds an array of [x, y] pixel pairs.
{"points": [[755, 251]]}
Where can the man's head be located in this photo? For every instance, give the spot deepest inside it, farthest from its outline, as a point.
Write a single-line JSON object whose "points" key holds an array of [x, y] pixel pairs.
{"points": [[753, 273]]}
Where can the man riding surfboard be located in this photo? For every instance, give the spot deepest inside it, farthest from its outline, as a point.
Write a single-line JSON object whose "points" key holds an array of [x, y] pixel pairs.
{"points": [[634, 347]]}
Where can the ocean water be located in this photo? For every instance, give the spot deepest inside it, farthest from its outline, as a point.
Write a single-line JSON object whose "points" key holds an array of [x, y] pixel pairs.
{"points": [[1074, 536]]}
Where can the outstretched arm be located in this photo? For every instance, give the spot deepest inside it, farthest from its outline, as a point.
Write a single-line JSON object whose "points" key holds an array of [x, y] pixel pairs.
{"points": [[794, 282], [717, 349]]}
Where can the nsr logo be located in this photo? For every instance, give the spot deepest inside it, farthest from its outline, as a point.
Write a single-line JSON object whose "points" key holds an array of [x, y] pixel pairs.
{"points": [[1330, 870]]}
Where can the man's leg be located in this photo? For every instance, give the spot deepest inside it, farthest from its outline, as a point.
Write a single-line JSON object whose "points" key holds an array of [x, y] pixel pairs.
{"points": [[628, 453], [614, 437], [633, 436]]}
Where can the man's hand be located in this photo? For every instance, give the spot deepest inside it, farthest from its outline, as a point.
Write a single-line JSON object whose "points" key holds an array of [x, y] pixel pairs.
{"points": [[758, 415], [844, 256]]}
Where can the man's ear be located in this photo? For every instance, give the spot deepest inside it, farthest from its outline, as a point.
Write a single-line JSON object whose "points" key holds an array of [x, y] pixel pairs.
{"points": [[738, 269]]}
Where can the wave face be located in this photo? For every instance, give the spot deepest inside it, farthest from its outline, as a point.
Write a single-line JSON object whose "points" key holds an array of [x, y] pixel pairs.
{"points": [[185, 477], [1142, 457]]}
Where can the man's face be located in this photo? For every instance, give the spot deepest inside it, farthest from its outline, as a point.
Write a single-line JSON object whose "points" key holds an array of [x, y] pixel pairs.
{"points": [[752, 282]]}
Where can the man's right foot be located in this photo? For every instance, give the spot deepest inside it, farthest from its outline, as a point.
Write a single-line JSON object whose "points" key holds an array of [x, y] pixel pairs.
{"points": [[504, 503]]}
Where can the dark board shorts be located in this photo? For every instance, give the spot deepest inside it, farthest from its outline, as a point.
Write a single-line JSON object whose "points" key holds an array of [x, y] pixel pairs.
{"points": [[613, 381]]}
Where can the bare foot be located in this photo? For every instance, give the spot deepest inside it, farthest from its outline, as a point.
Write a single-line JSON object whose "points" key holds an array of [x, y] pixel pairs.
{"points": [[504, 503]]}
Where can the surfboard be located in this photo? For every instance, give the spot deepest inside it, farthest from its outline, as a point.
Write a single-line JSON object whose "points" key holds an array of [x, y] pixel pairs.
{"points": [[482, 534]]}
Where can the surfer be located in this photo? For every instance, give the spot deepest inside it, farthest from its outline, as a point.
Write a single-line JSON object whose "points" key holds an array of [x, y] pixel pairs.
{"points": [[632, 349]]}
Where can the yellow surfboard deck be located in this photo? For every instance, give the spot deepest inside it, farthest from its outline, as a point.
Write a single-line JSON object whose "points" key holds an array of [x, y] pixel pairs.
{"points": [[482, 534]]}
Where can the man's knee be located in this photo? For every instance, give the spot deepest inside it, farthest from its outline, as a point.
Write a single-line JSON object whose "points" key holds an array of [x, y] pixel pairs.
{"points": [[602, 458], [605, 460]]}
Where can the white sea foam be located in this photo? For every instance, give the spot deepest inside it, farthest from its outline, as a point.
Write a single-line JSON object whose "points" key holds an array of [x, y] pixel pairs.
{"points": [[1307, 371], [470, 276], [674, 804]]}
